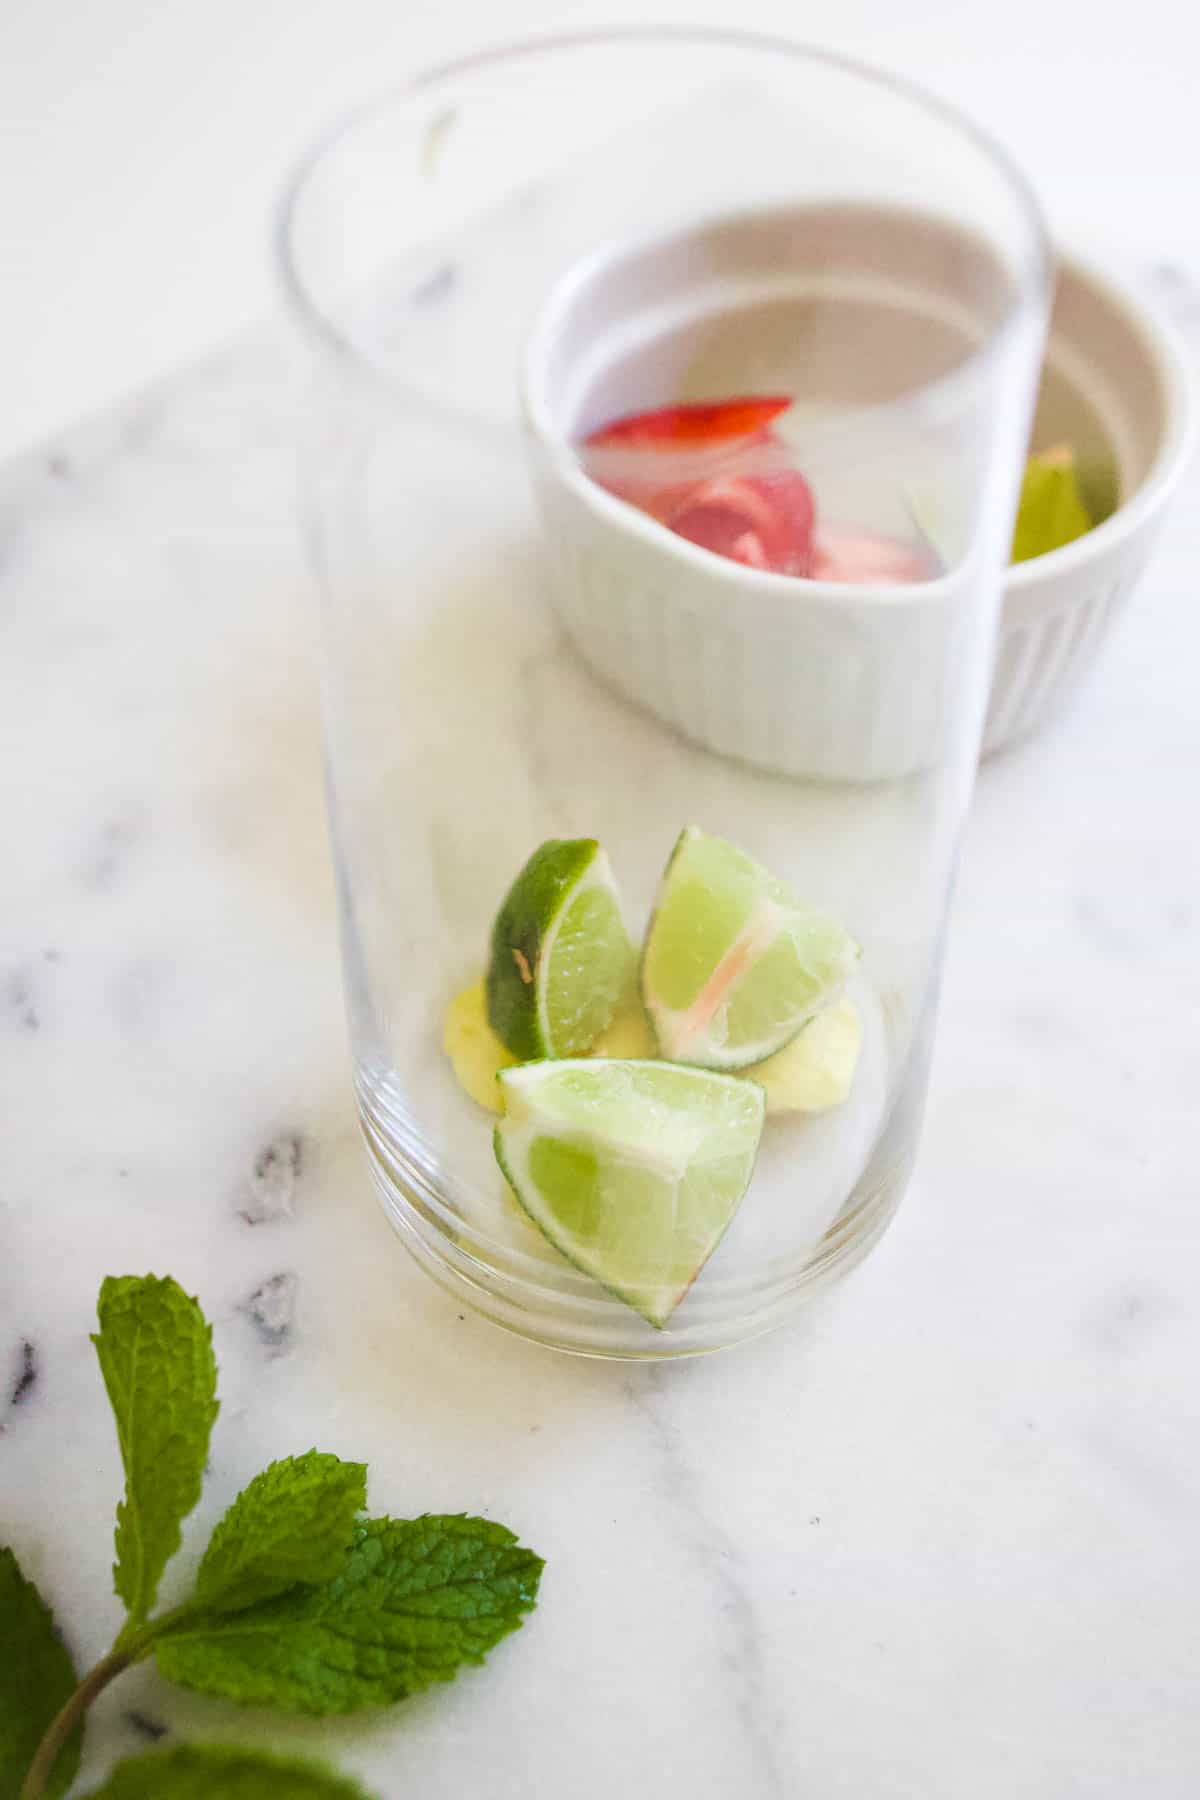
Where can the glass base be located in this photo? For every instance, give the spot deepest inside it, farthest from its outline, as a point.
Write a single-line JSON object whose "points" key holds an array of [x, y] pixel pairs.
{"points": [[539, 1296]]}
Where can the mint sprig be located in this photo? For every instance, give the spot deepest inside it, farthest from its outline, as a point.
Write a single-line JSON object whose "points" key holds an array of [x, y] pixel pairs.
{"points": [[299, 1602]]}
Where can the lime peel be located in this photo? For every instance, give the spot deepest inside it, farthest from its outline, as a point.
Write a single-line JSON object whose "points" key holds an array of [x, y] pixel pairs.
{"points": [[560, 956]]}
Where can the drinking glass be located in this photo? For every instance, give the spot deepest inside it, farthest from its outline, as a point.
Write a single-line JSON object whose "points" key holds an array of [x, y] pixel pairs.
{"points": [[485, 266]]}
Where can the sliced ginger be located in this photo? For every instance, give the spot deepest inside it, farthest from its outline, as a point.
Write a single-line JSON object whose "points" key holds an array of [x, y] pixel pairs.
{"points": [[629, 1034], [476, 1053], [815, 1071], [810, 1075]]}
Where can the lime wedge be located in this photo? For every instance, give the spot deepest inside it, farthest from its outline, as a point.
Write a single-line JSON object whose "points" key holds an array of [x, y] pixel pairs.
{"points": [[1051, 511], [734, 966], [561, 960], [632, 1169]]}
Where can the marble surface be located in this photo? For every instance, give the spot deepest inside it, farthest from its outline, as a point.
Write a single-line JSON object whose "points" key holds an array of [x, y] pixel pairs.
{"points": [[940, 1539]]}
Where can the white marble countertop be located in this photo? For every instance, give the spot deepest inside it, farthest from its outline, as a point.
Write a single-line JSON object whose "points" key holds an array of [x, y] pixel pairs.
{"points": [[940, 1540]]}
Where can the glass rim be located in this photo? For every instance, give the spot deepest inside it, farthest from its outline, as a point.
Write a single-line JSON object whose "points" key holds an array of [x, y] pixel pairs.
{"points": [[1035, 276]]}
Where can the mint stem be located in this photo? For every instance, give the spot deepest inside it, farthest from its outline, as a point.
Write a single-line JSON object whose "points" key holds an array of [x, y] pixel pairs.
{"points": [[132, 1644], [134, 1639], [60, 1729]]}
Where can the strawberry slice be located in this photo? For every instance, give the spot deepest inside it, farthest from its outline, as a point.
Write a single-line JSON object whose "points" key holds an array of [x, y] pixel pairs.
{"points": [[707, 471], [868, 557], [763, 521], [697, 425]]}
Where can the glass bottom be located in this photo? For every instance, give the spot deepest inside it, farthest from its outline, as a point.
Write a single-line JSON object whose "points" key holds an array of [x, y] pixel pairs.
{"points": [[539, 1296]]}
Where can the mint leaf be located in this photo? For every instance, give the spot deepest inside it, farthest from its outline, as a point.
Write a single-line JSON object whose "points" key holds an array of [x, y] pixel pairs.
{"points": [[155, 1351], [293, 1523], [37, 1678], [1051, 511], [415, 1599], [193, 1772]]}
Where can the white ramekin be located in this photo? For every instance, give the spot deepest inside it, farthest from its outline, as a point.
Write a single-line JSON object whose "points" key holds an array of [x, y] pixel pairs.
{"points": [[841, 683]]}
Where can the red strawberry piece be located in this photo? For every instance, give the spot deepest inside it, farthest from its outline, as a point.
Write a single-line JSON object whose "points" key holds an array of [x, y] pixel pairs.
{"points": [[695, 426], [764, 521]]}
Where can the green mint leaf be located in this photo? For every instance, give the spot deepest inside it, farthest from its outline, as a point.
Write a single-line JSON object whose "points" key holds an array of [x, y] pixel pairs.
{"points": [[37, 1678], [294, 1523], [416, 1598], [209, 1772], [1051, 511], [155, 1351]]}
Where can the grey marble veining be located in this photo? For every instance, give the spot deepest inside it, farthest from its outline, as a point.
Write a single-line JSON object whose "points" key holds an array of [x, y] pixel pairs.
{"points": [[938, 1539]]}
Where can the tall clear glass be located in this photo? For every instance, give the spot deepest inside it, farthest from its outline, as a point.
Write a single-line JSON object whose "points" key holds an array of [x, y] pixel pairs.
{"points": [[485, 267]]}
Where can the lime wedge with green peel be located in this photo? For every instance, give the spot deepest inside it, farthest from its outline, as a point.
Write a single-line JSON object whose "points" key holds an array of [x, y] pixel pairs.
{"points": [[631, 1169], [734, 966], [561, 959]]}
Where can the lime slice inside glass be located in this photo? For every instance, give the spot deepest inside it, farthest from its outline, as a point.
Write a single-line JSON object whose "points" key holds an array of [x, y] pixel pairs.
{"points": [[734, 966], [631, 1169], [561, 960]]}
